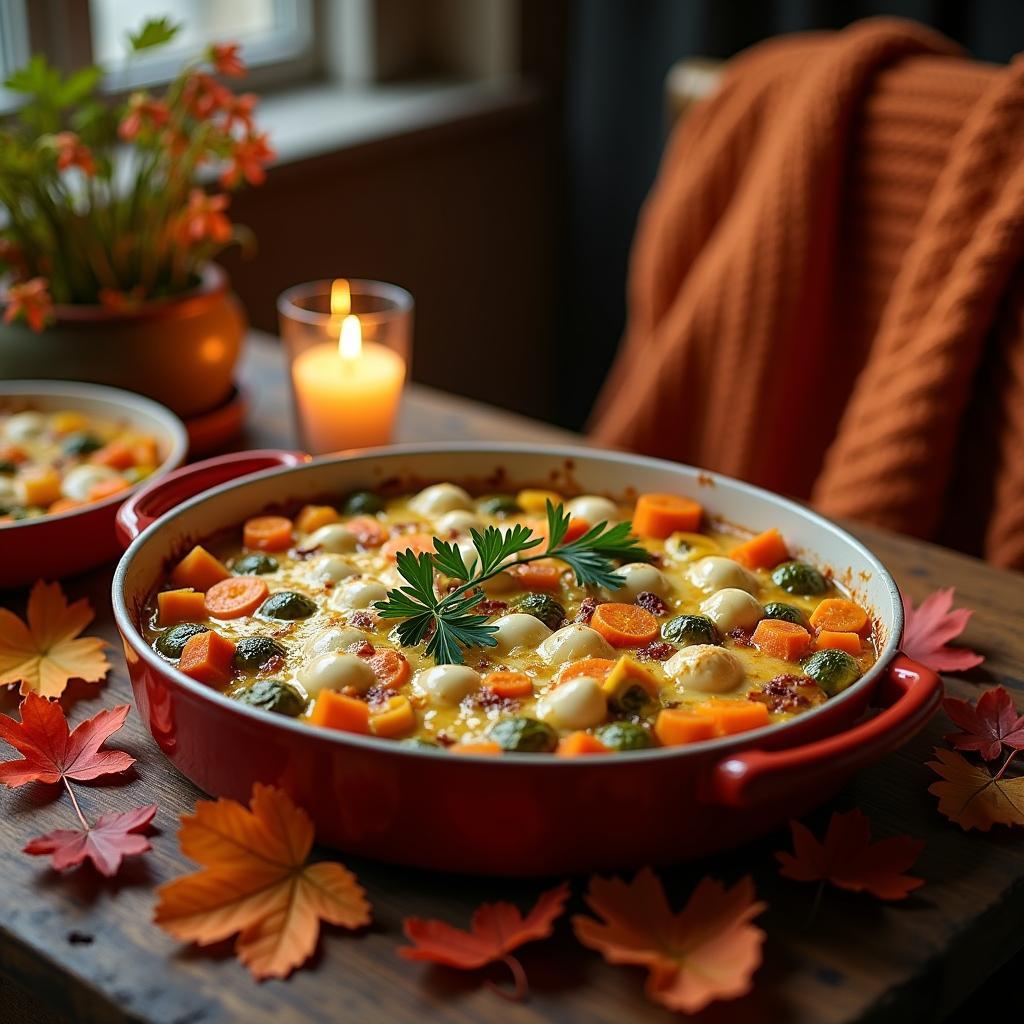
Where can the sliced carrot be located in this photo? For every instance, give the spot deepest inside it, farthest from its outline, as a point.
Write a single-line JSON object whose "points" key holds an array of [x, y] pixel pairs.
{"points": [[578, 743], [391, 668], [334, 710], [64, 505], [417, 543], [737, 715], [480, 747], [624, 625], [236, 596], [509, 684], [764, 551], [658, 515], [207, 657], [174, 606], [368, 531], [398, 719], [145, 451], [545, 574], [106, 488], [849, 642], [674, 726], [839, 615], [12, 453], [267, 533], [312, 517], [199, 570], [595, 668], [782, 639], [115, 454]]}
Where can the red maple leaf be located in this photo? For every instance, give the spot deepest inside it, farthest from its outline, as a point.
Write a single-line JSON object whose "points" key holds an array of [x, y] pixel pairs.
{"points": [[496, 929], [928, 629], [52, 753], [849, 860], [986, 725], [113, 837]]}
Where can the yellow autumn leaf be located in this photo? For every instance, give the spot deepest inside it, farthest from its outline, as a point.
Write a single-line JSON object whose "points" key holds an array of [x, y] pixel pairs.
{"points": [[974, 798], [44, 654]]}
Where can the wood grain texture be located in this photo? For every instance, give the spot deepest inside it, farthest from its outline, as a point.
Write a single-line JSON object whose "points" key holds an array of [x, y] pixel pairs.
{"points": [[85, 949]]}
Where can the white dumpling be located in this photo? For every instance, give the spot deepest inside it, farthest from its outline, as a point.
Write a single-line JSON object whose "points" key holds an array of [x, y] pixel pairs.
{"points": [[448, 684], [438, 498], [578, 703], [459, 520], [337, 639], [79, 481], [331, 569], [358, 592], [23, 426], [706, 668], [519, 630], [572, 642], [336, 672], [640, 578], [469, 553], [333, 537], [731, 609], [714, 572], [593, 509]]}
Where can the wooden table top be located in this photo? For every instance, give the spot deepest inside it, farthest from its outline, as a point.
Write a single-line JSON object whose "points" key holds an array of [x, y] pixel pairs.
{"points": [[75, 947]]}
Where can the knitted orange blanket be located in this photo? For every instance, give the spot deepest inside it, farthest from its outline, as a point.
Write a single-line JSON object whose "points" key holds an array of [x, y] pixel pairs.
{"points": [[825, 291]]}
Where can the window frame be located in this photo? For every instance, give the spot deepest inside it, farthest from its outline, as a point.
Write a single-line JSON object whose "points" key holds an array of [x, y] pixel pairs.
{"points": [[62, 29], [15, 48]]}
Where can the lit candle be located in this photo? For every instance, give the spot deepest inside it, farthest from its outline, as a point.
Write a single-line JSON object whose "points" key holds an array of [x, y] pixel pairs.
{"points": [[347, 391]]}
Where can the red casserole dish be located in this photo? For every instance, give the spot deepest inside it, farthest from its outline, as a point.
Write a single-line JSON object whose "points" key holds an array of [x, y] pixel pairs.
{"points": [[523, 814], [54, 546]]}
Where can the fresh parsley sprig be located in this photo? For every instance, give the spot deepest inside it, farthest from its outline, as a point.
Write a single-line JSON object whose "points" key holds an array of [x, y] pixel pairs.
{"points": [[449, 624]]}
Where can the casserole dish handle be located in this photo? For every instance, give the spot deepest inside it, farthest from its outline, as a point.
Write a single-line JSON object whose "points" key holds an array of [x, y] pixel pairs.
{"points": [[909, 694], [149, 503]]}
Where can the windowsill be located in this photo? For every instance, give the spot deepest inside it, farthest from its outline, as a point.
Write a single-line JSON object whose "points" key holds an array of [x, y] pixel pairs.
{"points": [[309, 122]]}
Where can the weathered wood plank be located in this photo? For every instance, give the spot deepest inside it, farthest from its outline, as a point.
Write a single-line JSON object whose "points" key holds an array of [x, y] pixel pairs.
{"points": [[86, 951]]}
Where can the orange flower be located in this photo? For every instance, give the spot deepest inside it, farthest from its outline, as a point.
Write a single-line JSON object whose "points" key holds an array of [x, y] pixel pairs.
{"points": [[240, 112], [247, 160], [204, 95], [225, 59], [30, 299], [204, 218], [143, 112], [72, 152]]}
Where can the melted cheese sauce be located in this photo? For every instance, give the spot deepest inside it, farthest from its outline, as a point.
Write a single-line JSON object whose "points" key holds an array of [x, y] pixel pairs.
{"points": [[333, 579]]}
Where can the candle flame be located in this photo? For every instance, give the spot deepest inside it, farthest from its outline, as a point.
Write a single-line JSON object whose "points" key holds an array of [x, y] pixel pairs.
{"points": [[341, 298], [350, 341]]}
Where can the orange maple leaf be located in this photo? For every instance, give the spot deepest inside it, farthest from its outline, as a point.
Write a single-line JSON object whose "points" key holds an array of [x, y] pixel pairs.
{"points": [[496, 929], [708, 951], [256, 882], [972, 796], [47, 652], [848, 859]]}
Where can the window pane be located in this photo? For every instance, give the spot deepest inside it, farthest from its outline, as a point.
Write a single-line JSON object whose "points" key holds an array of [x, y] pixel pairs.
{"points": [[13, 46], [269, 30]]}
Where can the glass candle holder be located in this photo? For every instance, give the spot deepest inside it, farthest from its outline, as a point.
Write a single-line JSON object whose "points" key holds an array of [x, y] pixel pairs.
{"points": [[349, 347]]}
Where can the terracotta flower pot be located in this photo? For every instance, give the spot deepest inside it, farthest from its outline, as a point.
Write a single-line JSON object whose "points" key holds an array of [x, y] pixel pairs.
{"points": [[179, 351]]}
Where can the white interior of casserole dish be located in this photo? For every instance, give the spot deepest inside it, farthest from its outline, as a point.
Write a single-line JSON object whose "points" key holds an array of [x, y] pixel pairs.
{"points": [[143, 414], [577, 470]]}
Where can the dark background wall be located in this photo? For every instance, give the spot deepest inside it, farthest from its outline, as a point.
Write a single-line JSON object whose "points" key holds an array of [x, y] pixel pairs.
{"points": [[512, 229], [618, 53]]}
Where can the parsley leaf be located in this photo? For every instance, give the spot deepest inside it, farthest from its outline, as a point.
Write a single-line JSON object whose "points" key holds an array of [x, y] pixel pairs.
{"points": [[449, 624]]}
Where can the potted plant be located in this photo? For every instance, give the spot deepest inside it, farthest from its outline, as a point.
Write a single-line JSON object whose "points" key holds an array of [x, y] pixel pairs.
{"points": [[108, 235]]}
